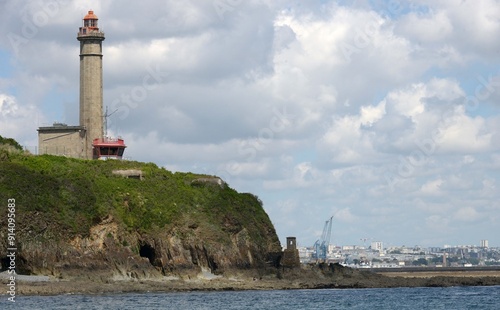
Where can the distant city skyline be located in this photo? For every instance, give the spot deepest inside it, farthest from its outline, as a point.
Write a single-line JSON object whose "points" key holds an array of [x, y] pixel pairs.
{"points": [[377, 256], [383, 114], [381, 245]]}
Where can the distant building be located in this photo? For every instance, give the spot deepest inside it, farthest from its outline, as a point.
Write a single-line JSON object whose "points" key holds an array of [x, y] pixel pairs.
{"points": [[484, 243], [377, 246]]}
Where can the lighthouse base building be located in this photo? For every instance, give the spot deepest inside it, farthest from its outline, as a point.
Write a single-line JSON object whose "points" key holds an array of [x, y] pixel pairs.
{"points": [[88, 140], [62, 140]]}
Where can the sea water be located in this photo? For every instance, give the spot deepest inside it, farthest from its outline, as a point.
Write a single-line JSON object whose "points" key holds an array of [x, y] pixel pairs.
{"points": [[387, 299]]}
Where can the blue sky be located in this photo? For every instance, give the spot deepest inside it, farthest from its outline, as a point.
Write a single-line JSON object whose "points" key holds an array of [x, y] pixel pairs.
{"points": [[383, 113], [5, 64]]}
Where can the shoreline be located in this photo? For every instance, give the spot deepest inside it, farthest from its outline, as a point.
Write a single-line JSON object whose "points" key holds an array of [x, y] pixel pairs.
{"points": [[81, 286]]}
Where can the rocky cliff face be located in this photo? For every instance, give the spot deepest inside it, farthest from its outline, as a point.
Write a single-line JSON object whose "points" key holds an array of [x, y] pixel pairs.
{"points": [[79, 219], [110, 252]]}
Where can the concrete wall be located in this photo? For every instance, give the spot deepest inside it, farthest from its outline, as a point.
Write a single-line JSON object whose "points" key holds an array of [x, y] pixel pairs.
{"points": [[62, 142]]}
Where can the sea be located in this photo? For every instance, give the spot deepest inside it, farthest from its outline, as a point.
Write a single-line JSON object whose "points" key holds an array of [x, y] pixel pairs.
{"points": [[387, 299]]}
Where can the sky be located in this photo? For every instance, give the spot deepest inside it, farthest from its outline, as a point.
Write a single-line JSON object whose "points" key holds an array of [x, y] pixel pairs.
{"points": [[382, 114]]}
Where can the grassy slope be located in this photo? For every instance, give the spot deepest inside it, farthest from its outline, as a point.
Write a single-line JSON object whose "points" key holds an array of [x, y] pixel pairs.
{"points": [[76, 194]]}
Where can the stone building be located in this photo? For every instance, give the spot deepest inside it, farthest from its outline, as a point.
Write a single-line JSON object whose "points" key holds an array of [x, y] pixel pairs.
{"points": [[62, 140], [290, 258]]}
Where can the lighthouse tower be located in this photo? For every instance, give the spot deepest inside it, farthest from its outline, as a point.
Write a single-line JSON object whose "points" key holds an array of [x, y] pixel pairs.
{"points": [[96, 145], [91, 115]]}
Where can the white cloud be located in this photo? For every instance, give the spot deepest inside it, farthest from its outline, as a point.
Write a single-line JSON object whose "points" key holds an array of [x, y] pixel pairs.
{"points": [[489, 188], [14, 118], [467, 214], [314, 108], [432, 188], [346, 215], [464, 134], [434, 27], [466, 26], [371, 114], [8, 106]]}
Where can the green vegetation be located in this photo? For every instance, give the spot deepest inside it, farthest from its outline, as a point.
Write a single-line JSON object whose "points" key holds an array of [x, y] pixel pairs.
{"points": [[71, 195], [420, 262], [8, 146], [11, 142]]}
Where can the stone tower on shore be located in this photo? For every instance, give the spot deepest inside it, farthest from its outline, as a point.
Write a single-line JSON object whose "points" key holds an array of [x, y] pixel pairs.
{"points": [[290, 258]]}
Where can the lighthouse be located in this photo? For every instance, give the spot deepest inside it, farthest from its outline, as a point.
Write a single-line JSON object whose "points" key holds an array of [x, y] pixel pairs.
{"points": [[88, 140], [91, 107], [97, 145]]}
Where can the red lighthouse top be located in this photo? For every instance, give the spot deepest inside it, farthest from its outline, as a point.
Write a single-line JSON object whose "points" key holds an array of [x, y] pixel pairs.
{"points": [[90, 21], [90, 15]]}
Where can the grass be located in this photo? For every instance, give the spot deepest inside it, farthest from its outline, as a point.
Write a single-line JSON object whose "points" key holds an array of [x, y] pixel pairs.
{"points": [[73, 195]]}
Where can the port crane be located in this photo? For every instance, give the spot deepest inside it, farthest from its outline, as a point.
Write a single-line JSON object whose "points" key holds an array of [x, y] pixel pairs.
{"points": [[321, 245]]}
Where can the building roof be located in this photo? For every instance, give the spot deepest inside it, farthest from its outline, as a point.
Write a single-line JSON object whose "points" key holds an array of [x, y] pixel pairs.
{"points": [[60, 128], [90, 15], [109, 142]]}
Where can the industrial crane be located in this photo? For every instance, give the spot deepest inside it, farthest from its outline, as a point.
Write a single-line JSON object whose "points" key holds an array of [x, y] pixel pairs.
{"points": [[321, 245]]}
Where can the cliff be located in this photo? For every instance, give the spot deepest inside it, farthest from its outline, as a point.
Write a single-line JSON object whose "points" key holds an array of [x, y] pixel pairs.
{"points": [[123, 219]]}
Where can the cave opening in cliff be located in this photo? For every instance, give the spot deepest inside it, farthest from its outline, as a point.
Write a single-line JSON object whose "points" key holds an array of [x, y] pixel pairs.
{"points": [[148, 251], [17, 263], [5, 261]]}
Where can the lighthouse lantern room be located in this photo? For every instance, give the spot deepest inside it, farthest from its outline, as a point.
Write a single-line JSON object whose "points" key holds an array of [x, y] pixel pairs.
{"points": [[89, 23]]}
